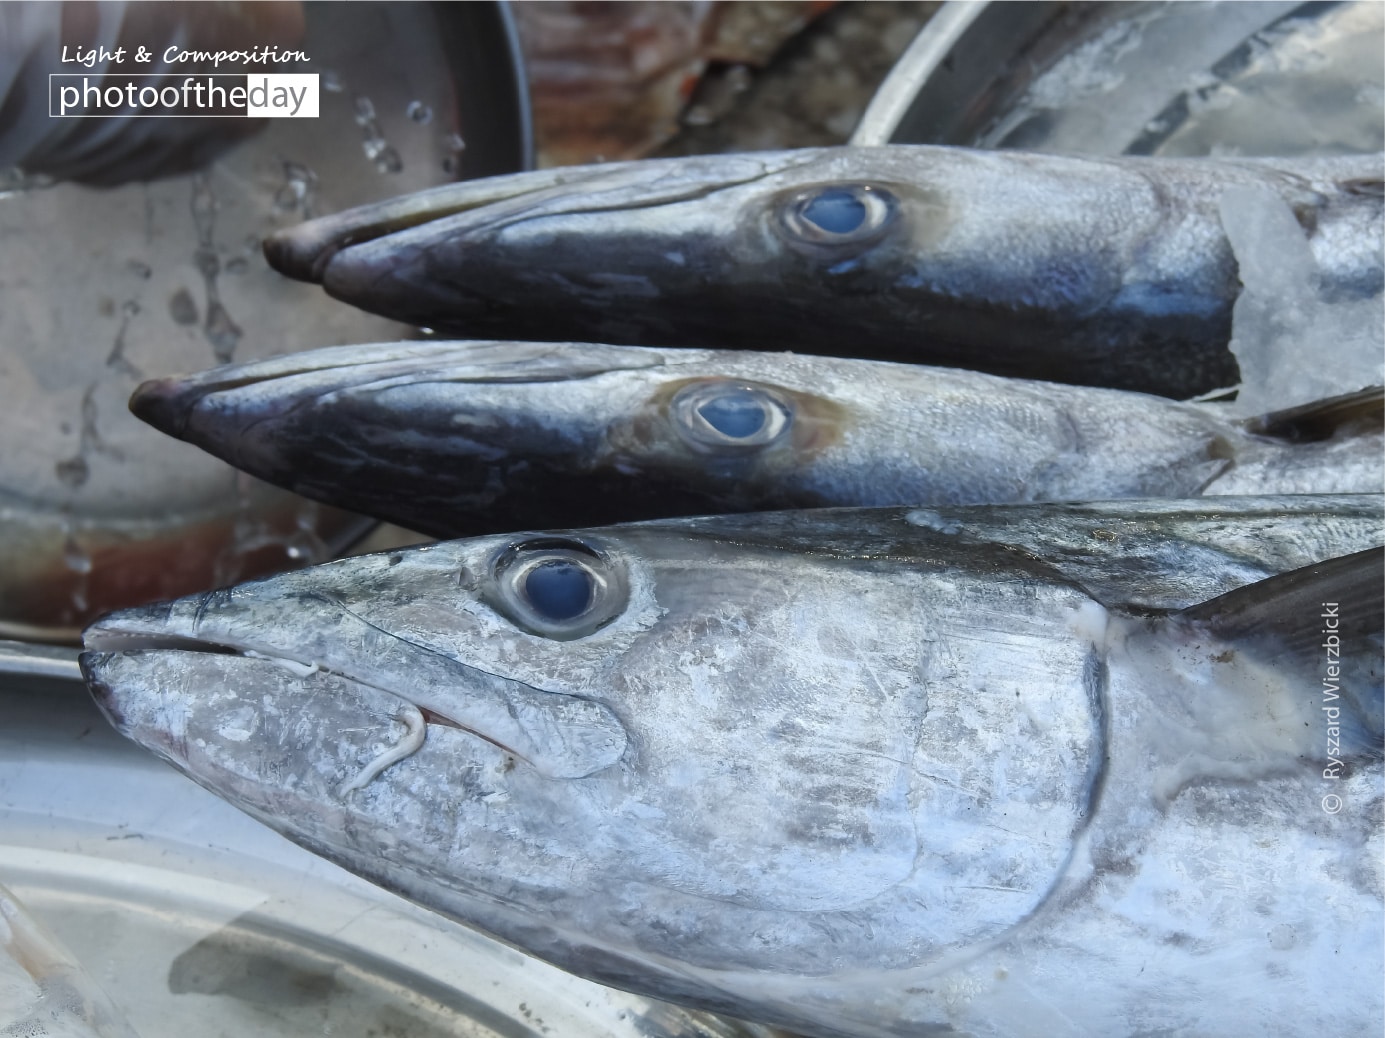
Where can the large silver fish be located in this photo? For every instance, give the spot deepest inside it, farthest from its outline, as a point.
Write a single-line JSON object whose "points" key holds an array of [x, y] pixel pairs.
{"points": [[1098, 271], [860, 773], [454, 439]]}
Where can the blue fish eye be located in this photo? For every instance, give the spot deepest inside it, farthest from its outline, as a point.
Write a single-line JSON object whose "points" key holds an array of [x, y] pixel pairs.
{"points": [[839, 215], [836, 211], [722, 416], [559, 589], [736, 414]]}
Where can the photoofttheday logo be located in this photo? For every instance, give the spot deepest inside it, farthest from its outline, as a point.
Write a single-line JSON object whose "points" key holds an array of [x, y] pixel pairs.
{"points": [[107, 90]]}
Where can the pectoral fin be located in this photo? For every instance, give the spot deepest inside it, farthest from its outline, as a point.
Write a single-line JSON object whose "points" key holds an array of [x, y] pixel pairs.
{"points": [[1320, 628], [1351, 413]]}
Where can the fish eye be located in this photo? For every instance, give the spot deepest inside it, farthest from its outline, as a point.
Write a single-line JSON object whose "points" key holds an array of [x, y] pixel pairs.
{"points": [[557, 588], [730, 416], [839, 214]]}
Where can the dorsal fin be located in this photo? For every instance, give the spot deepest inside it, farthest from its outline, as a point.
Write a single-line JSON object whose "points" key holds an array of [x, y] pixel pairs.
{"points": [[1321, 420], [1322, 626]]}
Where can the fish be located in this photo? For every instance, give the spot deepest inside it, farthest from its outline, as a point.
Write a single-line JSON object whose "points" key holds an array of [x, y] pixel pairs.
{"points": [[989, 771], [457, 439], [1096, 271]]}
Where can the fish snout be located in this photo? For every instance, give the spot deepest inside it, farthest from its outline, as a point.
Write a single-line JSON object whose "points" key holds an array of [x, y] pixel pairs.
{"points": [[164, 403], [93, 666]]}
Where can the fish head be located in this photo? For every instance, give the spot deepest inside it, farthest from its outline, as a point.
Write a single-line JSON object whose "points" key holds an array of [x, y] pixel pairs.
{"points": [[469, 437], [652, 754], [665, 251]]}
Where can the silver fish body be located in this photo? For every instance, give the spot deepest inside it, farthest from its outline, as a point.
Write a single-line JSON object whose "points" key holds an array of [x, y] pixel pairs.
{"points": [[455, 439], [1097, 271], [890, 772]]}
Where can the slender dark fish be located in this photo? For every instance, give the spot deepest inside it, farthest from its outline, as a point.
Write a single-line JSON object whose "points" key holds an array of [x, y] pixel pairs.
{"points": [[897, 772], [454, 439], [1096, 271]]}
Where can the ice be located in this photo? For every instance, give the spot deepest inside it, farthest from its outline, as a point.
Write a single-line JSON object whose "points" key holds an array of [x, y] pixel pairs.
{"points": [[1293, 347]]}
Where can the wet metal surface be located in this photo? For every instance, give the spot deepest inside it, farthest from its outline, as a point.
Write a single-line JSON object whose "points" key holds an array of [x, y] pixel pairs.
{"points": [[100, 289]]}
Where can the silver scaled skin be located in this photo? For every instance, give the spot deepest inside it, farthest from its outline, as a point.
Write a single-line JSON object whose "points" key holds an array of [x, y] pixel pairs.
{"points": [[867, 773], [1097, 271]]}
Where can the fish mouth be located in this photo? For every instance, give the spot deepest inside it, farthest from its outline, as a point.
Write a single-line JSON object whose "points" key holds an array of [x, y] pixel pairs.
{"points": [[274, 386], [556, 735], [307, 252], [303, 252]]}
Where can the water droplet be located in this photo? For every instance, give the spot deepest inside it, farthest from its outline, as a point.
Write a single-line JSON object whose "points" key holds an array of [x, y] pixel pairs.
{"points": [[74, 558], [139, 268], [365, 111], [332, 82], [388, 160], [288, 197], [452, 161], [238, 265], [130, 307], [419, 112]]}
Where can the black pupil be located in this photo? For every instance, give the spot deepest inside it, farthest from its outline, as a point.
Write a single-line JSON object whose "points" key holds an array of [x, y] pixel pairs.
{"points": [[836, 211], [558, 590], [737, 414]]}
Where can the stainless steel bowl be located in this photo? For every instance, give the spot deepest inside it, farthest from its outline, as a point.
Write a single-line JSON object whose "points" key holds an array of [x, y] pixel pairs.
{"points": [[1249, 78]]}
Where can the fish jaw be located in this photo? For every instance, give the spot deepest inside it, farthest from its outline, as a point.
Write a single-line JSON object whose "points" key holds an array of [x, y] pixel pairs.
{"points": [[285, 748]]}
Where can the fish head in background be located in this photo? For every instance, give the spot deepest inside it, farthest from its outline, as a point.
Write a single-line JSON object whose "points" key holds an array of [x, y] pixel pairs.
{"points": [[716, 761], [805, 250], [665, 252]]}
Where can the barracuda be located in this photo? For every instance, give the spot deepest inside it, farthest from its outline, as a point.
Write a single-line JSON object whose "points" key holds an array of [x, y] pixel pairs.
{"points": [[1113, 272], [898, 772], [455, 439]]}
